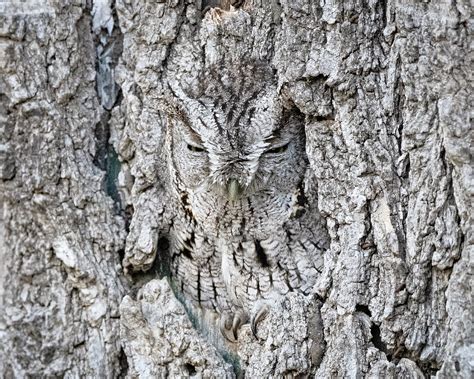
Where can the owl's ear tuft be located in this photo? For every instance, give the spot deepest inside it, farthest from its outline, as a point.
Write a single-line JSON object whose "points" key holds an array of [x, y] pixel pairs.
{"points": [[173, 110], [168, 105]]}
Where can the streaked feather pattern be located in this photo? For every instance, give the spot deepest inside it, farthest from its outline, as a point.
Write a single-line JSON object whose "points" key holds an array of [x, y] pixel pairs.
{"points": [[241, 228]]}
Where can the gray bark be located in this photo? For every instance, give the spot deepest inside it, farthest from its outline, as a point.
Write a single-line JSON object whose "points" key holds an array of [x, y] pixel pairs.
{"points": [[386, 90]]}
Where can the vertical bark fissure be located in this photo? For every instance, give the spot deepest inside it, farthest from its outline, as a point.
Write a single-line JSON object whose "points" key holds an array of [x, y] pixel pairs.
{"points": [[108, 47]]}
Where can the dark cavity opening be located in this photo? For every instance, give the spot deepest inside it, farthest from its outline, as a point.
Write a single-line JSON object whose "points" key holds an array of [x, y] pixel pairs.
{"points": [[261, 256]]}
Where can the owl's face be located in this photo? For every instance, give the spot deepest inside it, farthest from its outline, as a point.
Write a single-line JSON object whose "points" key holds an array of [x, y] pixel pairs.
{"points": [[238, 149], [235, 145]]}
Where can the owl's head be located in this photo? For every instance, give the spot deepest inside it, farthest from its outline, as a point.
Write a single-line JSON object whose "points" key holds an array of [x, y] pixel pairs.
{"points": [[234, 138]]}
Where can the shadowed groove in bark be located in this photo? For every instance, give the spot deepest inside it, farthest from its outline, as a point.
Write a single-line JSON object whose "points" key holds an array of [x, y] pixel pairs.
{"points": [[109, 46], [123, 364]]}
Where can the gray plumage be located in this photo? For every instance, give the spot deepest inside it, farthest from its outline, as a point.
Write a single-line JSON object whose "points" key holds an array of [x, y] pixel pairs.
{"points": [[241, 227]]}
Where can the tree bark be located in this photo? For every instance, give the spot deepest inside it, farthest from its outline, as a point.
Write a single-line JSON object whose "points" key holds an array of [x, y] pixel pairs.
{"points": [[386, 91]]}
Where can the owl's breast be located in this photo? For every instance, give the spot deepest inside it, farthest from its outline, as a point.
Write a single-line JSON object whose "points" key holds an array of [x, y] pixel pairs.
{"points": [[254, 269], [244, 251], [259, 244], [256, 215]]}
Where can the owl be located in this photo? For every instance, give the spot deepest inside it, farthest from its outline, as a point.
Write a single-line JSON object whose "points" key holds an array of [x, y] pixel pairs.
{"points": [[240, 208]]}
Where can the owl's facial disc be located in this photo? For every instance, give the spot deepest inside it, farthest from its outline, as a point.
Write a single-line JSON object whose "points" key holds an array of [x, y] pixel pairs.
{"points": [[237, 146]]}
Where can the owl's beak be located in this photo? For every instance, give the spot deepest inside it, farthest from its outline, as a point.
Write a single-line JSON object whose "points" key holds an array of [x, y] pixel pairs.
{"points": [[234, 189]]}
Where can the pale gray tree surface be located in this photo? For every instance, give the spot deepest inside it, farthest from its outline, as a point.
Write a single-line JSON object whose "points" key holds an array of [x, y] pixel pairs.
{"points": [[90, 91]]}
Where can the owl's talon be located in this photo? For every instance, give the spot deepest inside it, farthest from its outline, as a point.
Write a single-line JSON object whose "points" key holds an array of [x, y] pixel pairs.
{"points": [[230, 323], [225, 326], [258, 316]]}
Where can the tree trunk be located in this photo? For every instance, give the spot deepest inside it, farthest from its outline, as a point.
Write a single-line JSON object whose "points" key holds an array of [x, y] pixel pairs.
{"points": [[385, 90]]}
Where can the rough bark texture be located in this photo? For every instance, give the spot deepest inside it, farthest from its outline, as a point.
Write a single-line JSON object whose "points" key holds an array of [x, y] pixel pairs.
{"points": [[386, 90]]}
